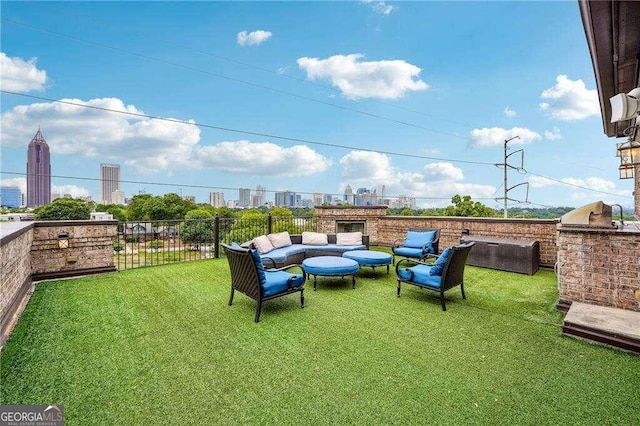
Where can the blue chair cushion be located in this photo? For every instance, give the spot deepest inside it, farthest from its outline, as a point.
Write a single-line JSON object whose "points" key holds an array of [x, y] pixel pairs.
{"points": [[417, 239], [408, 252], [277, 282], [438, 265], [258, 261], [420, 274]]}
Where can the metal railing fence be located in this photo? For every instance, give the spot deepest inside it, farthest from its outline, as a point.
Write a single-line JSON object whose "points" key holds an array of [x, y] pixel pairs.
{"points": [[150, 243]]}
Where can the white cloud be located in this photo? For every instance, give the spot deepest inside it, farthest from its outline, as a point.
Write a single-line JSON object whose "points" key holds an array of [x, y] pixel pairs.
{"points": [[496, 136], [148, 145], [262, 159], [56, 190], [509, 112], [374, 79], [570, 100], [21, 76], [593, 182], [253, 38], [437, 180], [380, 7], [18, 182], [553, 134]]}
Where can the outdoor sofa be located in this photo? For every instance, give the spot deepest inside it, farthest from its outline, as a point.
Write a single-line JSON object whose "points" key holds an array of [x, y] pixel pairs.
{"points": [[282, 249]]}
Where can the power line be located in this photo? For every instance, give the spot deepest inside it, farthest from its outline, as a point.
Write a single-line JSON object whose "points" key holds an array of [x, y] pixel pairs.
{"points": [[291, 139], [235, 80], [247, 132]]}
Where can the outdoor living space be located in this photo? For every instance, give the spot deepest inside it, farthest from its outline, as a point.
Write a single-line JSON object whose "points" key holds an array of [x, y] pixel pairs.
{"points": [[162, 345]]}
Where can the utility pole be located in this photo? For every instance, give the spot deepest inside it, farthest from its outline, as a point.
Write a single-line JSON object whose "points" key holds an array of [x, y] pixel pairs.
{"points": [[507, 166]]}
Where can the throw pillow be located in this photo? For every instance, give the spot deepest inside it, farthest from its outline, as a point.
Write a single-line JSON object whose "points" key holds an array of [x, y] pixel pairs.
{"points": [[438, 265], [315, 239], [417, 239], [262, 244], [349, 238], [258, 261], [281, 239]]}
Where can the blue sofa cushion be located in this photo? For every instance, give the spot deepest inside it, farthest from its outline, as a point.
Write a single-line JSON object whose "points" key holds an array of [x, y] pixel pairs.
{"points": [[438, 265], [417, 239], [408, 252], [258, 261], [277, 282], [420, 274]]}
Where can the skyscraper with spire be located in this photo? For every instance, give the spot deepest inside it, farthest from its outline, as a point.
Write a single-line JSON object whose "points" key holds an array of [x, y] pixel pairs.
{"points": [[38, 172]]}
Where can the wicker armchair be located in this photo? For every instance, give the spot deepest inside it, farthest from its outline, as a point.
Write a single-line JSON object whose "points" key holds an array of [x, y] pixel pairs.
{"points": [[417, 244], [443, 274], [249, 277]]}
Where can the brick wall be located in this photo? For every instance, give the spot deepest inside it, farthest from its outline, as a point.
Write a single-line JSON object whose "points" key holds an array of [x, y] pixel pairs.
{"points": [[90, 248], [600, 267], [15, 279], [383, 230]]}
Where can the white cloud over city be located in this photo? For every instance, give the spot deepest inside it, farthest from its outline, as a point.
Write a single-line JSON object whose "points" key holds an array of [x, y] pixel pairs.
{"points": [[570, 100], [253, 38], [495, 136], [147, 145], [386, 79], [437, 180], [56, 190], [21, 76], [262, 159]]}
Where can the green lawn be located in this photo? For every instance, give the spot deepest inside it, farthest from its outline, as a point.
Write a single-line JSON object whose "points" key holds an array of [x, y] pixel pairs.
{"points": [[161, 345]]}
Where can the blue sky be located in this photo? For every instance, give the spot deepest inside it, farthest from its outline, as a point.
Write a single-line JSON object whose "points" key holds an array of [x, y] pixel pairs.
{"points": [[326, 93]]}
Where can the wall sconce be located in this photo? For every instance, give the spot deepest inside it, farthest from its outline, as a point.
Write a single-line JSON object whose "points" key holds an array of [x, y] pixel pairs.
{"points": [[629, 153], [63, 240], [626, 171]]}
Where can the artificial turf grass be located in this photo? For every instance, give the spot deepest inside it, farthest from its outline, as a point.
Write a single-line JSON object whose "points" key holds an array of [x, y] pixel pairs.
{"points": [[161, 344]]}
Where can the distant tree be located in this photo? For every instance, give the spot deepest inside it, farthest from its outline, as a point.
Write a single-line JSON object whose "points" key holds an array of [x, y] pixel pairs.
{"points": [[225, 212], [198, 227], [136, 210], [281, 212], [64, 209], [406, 212], [463, 206]]}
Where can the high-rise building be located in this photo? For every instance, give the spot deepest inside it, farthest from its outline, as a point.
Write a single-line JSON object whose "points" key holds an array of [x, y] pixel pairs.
{"points": [[216, 199], [117, 197], [191, 198], [11, 197], [244, 198], [317, 199], [287, 199], [260, 198], [348, 195], [38, 172], [109, 182]]}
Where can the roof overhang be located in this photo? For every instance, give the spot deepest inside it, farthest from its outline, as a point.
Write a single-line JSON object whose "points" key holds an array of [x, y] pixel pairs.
{"points": [[612, 29]]}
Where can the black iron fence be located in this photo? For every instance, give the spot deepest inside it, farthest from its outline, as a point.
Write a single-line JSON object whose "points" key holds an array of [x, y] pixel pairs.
{"points": [[149, 243]]}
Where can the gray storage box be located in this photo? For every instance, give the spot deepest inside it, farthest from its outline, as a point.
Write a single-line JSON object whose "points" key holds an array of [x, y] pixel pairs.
{"points": [[504, 254]]}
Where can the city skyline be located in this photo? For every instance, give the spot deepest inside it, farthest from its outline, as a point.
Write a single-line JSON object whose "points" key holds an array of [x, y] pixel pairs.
{"points": [[417, 97]]}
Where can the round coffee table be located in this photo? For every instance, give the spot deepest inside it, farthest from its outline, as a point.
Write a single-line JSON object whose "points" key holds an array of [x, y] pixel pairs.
{"points": [[369, 258], [330, 266]]}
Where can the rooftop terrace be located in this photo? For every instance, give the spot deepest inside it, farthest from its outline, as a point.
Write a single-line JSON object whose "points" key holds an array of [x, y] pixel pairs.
{"points": [[161, 344]]}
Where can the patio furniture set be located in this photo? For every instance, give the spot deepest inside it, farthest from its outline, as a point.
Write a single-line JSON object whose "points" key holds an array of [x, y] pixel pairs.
{"points": [[259, 267]]}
